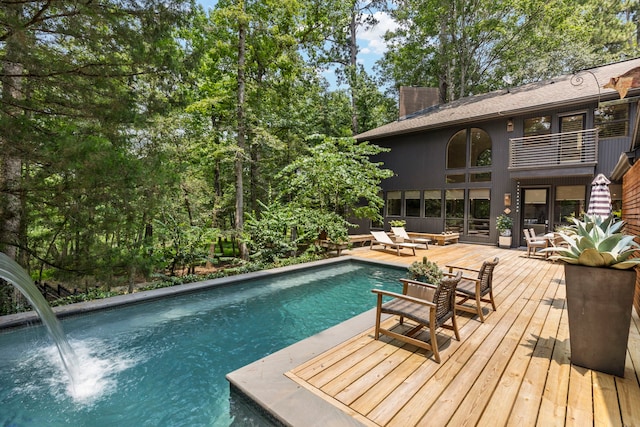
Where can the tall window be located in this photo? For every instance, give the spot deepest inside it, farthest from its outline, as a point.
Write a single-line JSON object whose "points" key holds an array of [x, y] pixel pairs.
{"points": [[432, 204], [612, 120], [479, 211], [412, 203], [570, 201], [394, 203], [469, 149], [454, 211]]}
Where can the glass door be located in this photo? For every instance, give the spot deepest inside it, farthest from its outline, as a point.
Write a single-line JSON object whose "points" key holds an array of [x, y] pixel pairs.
{"points": [[535, 210]]}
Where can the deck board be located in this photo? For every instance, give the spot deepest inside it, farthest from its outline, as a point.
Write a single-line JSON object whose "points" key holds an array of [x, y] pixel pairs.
{"points": [[513, 369]]}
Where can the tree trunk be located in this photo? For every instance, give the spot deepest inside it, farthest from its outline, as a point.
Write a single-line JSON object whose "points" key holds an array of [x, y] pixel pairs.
{"points": [[239, 161], [11, 162], [353, 70]]}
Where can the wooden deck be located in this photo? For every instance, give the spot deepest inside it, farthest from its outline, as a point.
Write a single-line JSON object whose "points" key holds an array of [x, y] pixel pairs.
{"points": [[514, 369]]}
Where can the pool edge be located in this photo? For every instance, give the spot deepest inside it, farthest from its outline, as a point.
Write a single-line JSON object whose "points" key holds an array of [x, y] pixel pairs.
{"points": [[29, 318], [265, 383]]}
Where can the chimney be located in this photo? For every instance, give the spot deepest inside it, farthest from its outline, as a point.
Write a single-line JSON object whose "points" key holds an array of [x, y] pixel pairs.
{"points": [[414, 99]]}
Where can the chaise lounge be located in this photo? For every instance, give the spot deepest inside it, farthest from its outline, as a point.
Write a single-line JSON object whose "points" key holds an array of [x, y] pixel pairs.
{"points": [[381, 238]]}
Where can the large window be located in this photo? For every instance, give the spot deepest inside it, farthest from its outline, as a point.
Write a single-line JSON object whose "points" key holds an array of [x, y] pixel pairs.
{"points": [[412, 203], [454, 211], [537, 126], [432, 204], [612, 120], [570, 201], [469, 149], [479, 211], [394, 203]]}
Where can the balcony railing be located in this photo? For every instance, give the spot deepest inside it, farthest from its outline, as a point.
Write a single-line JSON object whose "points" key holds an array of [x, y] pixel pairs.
{"points": [[559, 149]]}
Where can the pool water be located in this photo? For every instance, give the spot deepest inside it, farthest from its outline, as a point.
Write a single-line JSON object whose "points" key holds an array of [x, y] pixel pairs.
{"points": [[163, 363]]}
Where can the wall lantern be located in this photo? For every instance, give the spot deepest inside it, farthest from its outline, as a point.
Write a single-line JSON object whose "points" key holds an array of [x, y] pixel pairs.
{"points": [[510, 125]]}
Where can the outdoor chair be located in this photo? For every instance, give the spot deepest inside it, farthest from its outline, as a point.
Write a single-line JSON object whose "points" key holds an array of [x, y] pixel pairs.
{"points": [[401, 235], [533, 243], [479, 288], [428, 306], [381, 238]]}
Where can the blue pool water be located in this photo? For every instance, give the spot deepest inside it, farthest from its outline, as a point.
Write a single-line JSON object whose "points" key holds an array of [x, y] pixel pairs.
{"points": [[163, 363]]}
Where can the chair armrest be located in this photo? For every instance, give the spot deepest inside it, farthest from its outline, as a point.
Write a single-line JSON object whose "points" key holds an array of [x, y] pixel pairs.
{"points": [[416, 282], [404, 297], [473, 279], [451, 267]]}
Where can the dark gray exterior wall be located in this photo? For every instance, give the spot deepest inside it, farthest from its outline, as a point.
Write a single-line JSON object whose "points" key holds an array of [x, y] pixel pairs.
{"points": [[419, 163]]}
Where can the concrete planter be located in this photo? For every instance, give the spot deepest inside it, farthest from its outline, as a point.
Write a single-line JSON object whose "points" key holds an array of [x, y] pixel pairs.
{"points": [[599, 302], [504, 241]]}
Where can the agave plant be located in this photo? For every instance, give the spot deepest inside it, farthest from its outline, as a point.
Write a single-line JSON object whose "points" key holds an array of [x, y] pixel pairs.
{"points": [[597, 242]]}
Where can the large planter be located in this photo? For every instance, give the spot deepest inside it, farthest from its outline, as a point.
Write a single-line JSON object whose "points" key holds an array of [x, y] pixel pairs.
{"points": [[599, 302], [504, 241]]}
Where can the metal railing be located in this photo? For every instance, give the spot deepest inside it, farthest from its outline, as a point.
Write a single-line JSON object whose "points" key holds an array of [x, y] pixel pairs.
{"points": [[558, 149]]}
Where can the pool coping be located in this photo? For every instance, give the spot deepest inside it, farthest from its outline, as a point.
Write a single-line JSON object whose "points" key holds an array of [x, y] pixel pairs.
{"points": [[30, 318], [264, 381]]}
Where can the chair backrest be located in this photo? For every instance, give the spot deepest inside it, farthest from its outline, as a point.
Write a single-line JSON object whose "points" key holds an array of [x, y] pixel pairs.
{"points": [[444, 297], [400, 232], [486, 274], [382, 237], [533, 233]]}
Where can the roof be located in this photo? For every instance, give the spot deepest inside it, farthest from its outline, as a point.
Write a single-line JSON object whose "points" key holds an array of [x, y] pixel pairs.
{"points": [[583, 86]]}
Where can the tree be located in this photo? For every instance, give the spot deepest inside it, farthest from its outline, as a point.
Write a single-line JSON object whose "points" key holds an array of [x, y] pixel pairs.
{"points": [[466, 47]]}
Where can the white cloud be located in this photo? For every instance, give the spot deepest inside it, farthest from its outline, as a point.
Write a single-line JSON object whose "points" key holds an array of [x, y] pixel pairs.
{"points": [[372, 40]]}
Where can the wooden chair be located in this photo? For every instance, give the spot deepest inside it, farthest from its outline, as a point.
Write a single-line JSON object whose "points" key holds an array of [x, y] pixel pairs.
{"points": [[401, 233], [381, 238], [427, 305], [533, 242], [475, 288]]}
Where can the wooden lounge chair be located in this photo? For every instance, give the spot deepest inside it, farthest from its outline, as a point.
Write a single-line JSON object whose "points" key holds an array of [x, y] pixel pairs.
{"points": [[428, 306], [533, 242], [381, 238], [475, 288], [401, 233]]}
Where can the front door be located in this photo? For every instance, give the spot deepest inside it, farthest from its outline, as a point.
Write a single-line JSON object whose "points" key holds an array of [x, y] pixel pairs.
{"points": [[535, 210]]}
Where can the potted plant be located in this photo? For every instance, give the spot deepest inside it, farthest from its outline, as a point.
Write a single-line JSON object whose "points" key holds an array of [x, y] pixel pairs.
{"points": [[600, 282], [504, 223], [425, 271]]}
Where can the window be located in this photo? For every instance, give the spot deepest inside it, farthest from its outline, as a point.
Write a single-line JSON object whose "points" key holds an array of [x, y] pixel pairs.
{"points": [[480, 148], [537, 126], [479, 211], [616, 199], [412, 203], [432, 203], [394, 203], [457, 151], [612, 120], [569, 202], [454, 211], [479, 144]]}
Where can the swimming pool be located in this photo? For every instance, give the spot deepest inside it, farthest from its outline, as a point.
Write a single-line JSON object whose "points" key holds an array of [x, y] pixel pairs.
{"points": [[164, 362]]}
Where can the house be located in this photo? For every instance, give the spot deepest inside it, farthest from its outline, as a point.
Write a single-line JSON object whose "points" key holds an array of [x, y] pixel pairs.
{"points": [[529, 151]]}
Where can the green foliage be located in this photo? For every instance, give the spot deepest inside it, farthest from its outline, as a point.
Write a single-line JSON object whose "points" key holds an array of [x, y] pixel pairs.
{"points": [[279, 231], [337, 176], [425, 271], [597, 242], [397, 223], [503, 223]]}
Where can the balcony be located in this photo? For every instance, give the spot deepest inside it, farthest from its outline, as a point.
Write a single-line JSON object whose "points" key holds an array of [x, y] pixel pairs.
{"points": [[561, 154]]}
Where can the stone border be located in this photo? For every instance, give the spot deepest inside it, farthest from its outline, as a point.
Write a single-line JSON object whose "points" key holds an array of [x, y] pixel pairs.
{"points": [[264, 381], [30, 318]]}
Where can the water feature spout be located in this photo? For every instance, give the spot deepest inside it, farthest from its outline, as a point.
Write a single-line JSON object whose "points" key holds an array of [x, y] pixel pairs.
{"points": [[18, 277]]}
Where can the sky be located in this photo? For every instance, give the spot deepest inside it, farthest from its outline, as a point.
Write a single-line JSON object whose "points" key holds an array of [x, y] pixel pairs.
{"points": [[371, 42]]}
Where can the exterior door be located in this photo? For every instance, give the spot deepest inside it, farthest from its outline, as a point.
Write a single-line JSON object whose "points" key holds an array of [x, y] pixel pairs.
{"points": [[535, 210]]}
